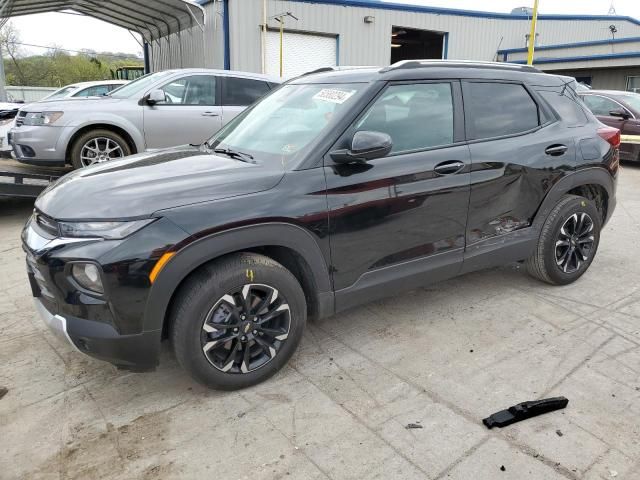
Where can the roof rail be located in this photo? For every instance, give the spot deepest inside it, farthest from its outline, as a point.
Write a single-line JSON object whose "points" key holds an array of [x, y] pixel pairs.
{"points": [[337, 69], [408, 64]]}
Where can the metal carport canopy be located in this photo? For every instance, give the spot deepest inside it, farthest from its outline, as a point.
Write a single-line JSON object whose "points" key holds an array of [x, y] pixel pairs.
{"points": [[150, 18]]}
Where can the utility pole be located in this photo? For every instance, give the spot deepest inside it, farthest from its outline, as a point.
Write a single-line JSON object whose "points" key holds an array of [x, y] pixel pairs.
{"points": [[532, 35], [280, 18], [3, 82]]}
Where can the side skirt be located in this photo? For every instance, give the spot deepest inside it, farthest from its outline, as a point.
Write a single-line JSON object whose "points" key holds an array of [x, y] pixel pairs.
{"points": [[496, 251], [394, 279]]}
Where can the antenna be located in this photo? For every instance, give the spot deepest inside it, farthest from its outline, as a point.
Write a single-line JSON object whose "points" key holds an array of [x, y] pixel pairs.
{"points": [[612, 9]]}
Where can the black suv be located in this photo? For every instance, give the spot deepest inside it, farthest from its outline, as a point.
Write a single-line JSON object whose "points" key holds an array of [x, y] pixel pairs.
{"points": [[337, 188]]}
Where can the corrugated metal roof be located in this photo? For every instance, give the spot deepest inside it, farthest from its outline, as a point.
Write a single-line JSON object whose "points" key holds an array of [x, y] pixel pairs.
{"points": [[150, 18]]}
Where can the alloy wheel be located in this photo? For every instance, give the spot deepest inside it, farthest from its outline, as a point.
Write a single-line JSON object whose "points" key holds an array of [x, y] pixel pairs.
{"points": [[246, 328], [98, 150], [575, 242]]}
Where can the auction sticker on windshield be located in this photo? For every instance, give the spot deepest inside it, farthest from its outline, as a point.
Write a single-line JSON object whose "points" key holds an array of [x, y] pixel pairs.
{"points": [[333, 95]]}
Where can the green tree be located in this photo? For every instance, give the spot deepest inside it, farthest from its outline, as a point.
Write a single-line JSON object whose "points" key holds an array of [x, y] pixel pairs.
{"points": [[56, 67]]}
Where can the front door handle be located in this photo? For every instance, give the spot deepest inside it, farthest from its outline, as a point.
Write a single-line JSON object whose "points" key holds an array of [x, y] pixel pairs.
{"points": [[556, 150], [449, 167], [210, 114]]}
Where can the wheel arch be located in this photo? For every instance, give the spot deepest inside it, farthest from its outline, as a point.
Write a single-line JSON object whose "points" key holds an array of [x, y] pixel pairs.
{"points": [[291, 245], [101, 126], [594, 183]]}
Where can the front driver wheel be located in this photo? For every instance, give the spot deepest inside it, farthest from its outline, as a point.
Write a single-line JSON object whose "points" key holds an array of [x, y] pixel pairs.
{"points": [[568, 241], [98, 146], [237, 321]]}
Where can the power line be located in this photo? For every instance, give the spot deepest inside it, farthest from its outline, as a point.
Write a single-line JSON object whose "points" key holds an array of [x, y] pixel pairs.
{"points": [[84, 52]]}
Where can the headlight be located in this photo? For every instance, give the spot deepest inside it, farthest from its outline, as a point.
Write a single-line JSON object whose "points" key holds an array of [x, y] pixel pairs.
{"points": [[106, 230], [88, 276], [35, 119]]}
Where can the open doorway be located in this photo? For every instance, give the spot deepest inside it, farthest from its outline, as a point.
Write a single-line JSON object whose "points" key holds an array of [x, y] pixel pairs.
{"points": [[412, 44]]}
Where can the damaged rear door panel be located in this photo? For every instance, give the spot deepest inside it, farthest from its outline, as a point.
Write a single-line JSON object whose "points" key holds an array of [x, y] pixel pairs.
{"points": [[511, 173]]}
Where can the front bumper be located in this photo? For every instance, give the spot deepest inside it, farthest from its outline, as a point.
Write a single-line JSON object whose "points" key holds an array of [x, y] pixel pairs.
{"points": [[129, 352], [42, 145], [107, 326], [56, 323]]}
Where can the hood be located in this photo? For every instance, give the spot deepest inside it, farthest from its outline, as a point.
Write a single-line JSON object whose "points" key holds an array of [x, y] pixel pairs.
{"points": [[140, 185], [65, 104]]}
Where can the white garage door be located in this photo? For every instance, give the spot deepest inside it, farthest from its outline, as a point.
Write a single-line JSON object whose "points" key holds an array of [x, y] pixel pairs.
{"points": [[301, 53]]}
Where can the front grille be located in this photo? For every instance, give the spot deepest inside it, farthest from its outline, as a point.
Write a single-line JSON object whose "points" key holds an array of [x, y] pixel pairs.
{"points": [[20, 118], [47, 224]]}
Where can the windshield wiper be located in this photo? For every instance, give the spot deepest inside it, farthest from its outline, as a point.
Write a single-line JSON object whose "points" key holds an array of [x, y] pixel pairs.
{"points": [[234, 154]]}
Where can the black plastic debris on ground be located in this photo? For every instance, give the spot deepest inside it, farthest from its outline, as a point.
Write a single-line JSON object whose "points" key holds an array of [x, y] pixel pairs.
{"points": [[525, 410], [413, 425], [3, 392]]}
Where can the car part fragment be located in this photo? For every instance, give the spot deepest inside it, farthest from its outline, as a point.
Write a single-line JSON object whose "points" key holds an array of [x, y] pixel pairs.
{"points": [[525, 410]]}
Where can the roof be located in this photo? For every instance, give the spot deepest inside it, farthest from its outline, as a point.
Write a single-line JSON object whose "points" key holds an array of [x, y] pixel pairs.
{"points": [[150, 18], [380, 4], [97, 82]]}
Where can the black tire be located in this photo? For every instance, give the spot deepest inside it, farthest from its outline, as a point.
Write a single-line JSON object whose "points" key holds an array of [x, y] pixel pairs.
{"points": [[544, 263], [203, 294], [99, 135]]}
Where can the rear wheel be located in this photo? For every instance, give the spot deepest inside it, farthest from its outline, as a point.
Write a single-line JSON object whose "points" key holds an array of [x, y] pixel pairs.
{"points": [[237, 321], [568, 241], [98, 146]]}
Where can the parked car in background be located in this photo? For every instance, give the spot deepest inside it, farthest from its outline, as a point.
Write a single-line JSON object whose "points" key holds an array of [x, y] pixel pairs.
{"points": [[163, 109], [620, 110], [85, 89], [336, 189], [8, 112]]}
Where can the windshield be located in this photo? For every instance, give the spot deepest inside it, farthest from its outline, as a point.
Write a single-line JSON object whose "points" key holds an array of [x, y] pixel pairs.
{"points": [[633, 100], [63, 92], [139, 85], [287, 121]]}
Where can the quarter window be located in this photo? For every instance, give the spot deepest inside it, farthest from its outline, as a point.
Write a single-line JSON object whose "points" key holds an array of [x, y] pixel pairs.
{"points": [[242, 91], [600, 106], [416, 117], [567, 106], [192, 90], [497, 109]]}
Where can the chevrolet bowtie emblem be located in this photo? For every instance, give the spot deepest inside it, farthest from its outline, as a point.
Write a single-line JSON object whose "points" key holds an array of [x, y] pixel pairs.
{"points": [[247, 327]]}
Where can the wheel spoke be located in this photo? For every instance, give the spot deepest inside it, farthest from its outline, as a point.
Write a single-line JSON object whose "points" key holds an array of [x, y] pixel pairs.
{"points": [[246, 359], [266, 346]]}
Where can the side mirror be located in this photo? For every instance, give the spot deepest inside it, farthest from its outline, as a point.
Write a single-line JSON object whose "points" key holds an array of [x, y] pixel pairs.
{"points": [[365, 146], [620, 113], [154, 96]]}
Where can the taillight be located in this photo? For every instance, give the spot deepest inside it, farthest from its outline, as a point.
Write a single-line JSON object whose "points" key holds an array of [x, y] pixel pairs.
{"points": [[611, 135]]}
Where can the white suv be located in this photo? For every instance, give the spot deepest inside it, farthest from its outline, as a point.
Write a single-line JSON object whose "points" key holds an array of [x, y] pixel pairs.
{"points": [[162, 109]]}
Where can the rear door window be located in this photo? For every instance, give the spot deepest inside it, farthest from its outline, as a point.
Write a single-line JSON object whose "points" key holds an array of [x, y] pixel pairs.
{"points": [[496, 109], [242, 91]]}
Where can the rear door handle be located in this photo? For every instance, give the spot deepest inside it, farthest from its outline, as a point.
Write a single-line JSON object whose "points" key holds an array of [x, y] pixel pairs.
{"points": [[449, 167], [210, 114], [556, 150]]}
